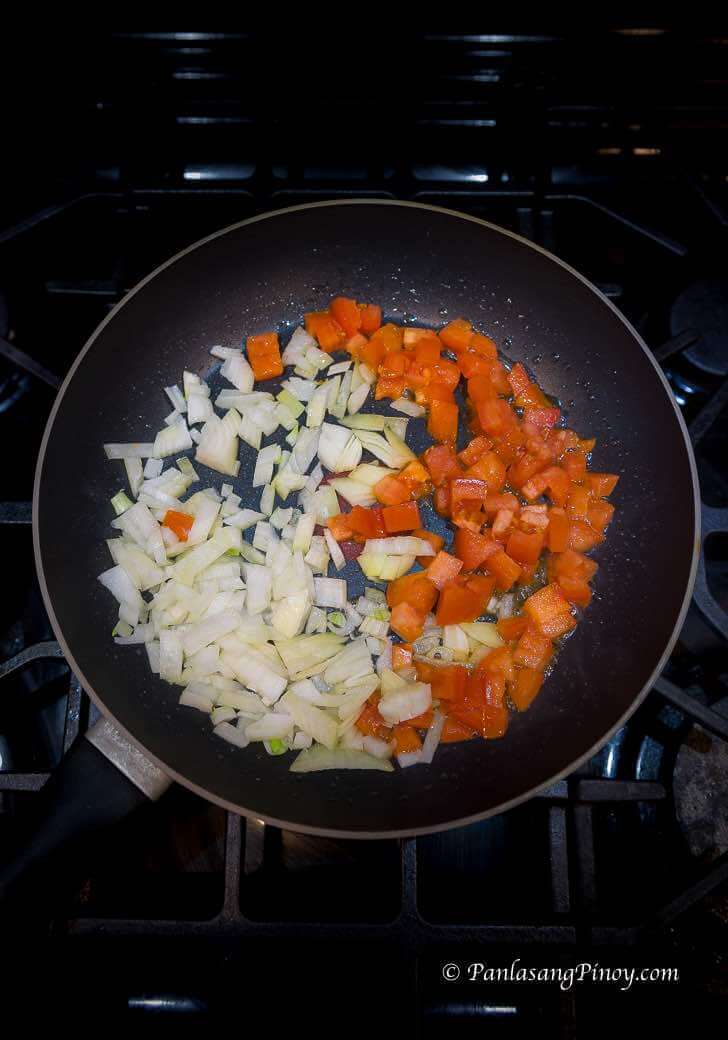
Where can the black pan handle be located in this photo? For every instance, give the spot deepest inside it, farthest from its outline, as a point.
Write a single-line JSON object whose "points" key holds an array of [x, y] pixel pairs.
{"points": [[101, 779]]}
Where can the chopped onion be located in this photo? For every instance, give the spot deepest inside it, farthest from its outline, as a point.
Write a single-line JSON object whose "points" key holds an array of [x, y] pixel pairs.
{"points": [[353, 492], [312, 720], [199, 408], [318, 758], [399, 546], [170, 655], [134, 474], [272, 726], [317, 407], [408, 407], [232, 734], [330, 592], [243, 519], [406, 703], [176, 398], [129, 451], [357, 399], [432, 739], [238, 372], [337, 556], [266, 460], [339, 367], [171, 440]]}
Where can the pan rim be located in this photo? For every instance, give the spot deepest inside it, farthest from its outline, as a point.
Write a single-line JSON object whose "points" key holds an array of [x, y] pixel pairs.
{"points": [[329, 832]]}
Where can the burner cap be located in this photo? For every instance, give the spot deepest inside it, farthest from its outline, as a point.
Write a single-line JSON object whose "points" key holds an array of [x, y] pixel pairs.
{"points": [[703, 306], [699, 786]]}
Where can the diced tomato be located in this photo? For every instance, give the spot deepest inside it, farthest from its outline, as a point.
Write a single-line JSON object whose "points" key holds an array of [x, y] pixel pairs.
{"points": [[371, 317], [415, 589], [582, 536], [496, 417], [525, 391], [390, 491], [534, 650], [465, 489], [505, 570], [526, 467], [512, 627], [404, 517], [442, 423], [542, 417], [362, 522], [441, 500], [482, 587], [325, 329], [413, 475], [575, 565], [483, 345], [442, 464], [264, 355], [179, 523], [558, 530], [528, 683], [443, 569], [490, 469], [346, 313], [602, 484], [406, 739], [391, 387], [600, 515], [550, 611], [340, 527], [473, 549], [435, 540], [576, 591], [371, 723], [454, 731], [490, 721], [372, 354], [502, 522], [494, 503], [407, 622], [448, 681], [525, 548], [456, 335], [457, 603], [574, 462], [578, 502], [401, 656], [477, 447]]}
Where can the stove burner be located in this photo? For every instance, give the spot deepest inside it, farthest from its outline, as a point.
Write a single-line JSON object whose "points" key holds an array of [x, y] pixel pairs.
{"points": [[702, 801], [13, 381], [703, 306]]}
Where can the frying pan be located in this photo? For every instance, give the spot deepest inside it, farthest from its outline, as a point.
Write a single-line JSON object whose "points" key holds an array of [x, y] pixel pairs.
{"points": [[423, 263]]}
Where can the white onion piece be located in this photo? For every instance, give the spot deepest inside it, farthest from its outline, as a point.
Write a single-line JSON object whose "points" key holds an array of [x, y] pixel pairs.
{"points": [[403, 546], [232, 734], [238, 372], [176, 397], [330, 592], [134, 474], [408, 407], [432, 739], [173, 439], [337, 556], [170, 655], [409, 758], [129, 451]]}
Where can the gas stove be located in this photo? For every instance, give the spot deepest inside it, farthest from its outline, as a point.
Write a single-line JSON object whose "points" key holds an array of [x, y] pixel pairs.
{"points": [[625, 861]]}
